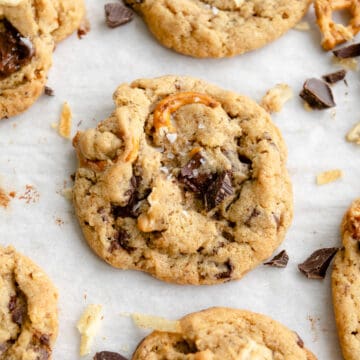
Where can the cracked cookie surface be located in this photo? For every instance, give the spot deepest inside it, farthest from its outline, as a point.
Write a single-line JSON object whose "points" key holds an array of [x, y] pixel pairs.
{"points": [[184, 180], [28, 309], [224, 334], [218, 28], [346, 284]]}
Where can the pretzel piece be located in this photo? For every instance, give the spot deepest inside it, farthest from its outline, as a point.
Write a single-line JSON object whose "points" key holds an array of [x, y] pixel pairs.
{"points": [[333, 33], [167, 106]]}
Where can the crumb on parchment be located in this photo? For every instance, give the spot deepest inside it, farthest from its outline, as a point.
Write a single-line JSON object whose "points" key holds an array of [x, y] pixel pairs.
{"points": [[349, 64], [328, 176], [155, 323], [88, 326], [354, 134], [302, 26], [275, 98]]}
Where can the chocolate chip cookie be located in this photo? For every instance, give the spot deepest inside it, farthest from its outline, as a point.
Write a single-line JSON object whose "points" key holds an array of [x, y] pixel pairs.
{"points": [[28, 309], [226, 334], [184, 180], [27, 39], [218, 28], [346, 284]]}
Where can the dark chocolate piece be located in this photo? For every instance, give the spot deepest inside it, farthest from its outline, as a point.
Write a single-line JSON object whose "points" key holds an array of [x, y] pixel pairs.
{"points": [[49, 91], [15, 50], [191, 177], [227, 273], [348, 51], [315, 266], [218, 190], [108, 355], [335, 76], [122, 239], [280, 260], [117, 14], [255, 213], [317, 94]]}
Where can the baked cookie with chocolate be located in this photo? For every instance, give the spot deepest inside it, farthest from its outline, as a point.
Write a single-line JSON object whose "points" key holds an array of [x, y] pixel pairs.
{"points": [[26, 45], [28, 309], [346, 284], [226, 334], [184, 180], [218, 28]]}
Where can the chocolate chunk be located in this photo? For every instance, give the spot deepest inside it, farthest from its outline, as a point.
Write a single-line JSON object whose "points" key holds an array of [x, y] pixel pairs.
{"points": [[117, 14], [335, 76], [316, 265], [108, 355], [12, 303], [300, 341], [15, 50], [226, 274], [348, 51], [121, 240], [49, 91], [191, 177], [218, 190], [255, 213], [280, 260], [17, 308], [317, 94], [45, 339]]}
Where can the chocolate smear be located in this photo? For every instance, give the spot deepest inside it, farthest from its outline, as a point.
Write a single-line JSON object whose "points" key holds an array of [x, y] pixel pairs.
{"points": [[317, 94], [117, 14], [108, 355], [280, 260], [335, 76], [315, 266], [49, 91], [191, 177], [15, 50], [348, 51], [218, 190]]}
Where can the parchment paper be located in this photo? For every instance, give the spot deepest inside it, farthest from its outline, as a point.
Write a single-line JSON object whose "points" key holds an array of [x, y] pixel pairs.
{"points": [[85, 73]]}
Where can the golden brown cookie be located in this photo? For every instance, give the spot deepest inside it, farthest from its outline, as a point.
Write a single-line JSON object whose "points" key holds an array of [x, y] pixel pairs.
{"points": [[346, 284], [28, 309], [218, 28], [184, 180], [224, 334]]}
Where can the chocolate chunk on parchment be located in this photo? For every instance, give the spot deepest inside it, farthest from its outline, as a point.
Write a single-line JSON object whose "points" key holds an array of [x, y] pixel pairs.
{"points": [[117, 14], [15, 50], [49, 91], [219, 189], [334, 77], [348, 51], [317, 94], [191, 176], [280, 260], [315, 266], [108, 355]]}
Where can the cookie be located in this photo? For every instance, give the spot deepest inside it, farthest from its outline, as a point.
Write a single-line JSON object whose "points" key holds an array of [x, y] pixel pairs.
{"points": [[226, 334], [346, 284], [26, 46], [184, 180], [28, 309], [218, 28]]}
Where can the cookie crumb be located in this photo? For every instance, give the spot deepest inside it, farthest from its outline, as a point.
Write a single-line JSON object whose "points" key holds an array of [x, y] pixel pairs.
{"points": [[354, 134], [31, 195], [88, 326], [302, 26], [4, 199], [328, 176], [349, 63], [155, 323], [64, 128], [84, 28], [275, 98], [67, 193]]}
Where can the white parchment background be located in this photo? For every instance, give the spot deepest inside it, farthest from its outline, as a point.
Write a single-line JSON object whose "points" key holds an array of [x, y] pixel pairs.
{"points": [[85, 73]]}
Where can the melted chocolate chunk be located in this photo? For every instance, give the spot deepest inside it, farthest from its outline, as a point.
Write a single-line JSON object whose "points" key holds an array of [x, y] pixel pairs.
{"points": [[226, 274], [17, 308], [317, 94], [108, 355], [335, 76], [45, 339], [117, 14], [280, 260], [348, 51], [315, 266], [191, 177], [219, 189], [15, 50], [121, 240], [255, 213]]}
